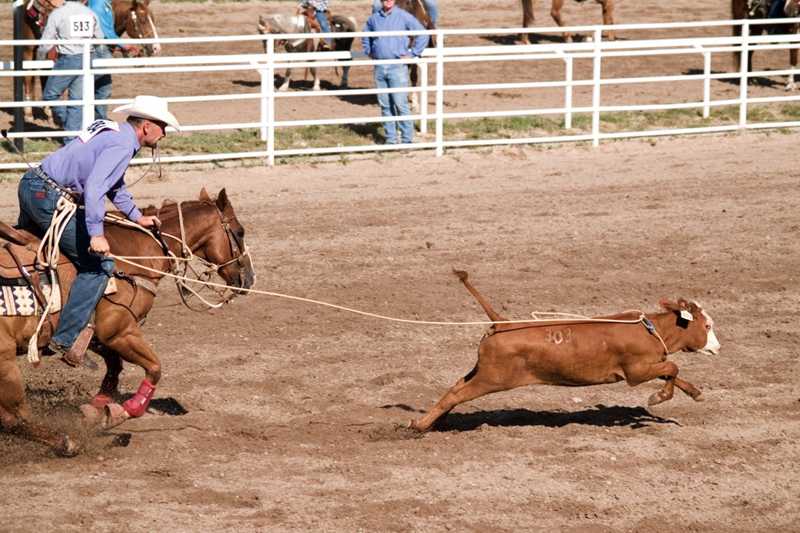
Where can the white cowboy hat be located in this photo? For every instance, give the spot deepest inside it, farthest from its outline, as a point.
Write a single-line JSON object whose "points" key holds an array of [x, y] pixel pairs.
{"points": [[149, 107]]}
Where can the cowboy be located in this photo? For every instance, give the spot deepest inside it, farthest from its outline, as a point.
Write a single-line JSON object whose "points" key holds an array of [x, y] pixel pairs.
{"points": [[71, 21], [86, 171]]}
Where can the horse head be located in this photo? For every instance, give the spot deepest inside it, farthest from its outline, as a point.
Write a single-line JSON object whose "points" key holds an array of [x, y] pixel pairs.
{"points": [[224, 245], [135, 18]]}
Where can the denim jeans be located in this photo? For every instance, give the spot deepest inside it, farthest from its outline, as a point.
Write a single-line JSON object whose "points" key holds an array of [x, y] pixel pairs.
{"points": [[102, 84], [322, 18], [37, 202], [394, 104], [71, 117]]}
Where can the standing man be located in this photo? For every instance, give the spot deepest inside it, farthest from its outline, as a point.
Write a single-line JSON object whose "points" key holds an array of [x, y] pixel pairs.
{"points": [[104, 12], [391, 18], [73, 20], [86, 171]]}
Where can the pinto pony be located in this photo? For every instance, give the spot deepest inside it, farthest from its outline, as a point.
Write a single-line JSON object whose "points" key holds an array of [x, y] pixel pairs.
{"points": [[555, 12], [306, 22], [209, 229], [132, 17], [759, 9]]}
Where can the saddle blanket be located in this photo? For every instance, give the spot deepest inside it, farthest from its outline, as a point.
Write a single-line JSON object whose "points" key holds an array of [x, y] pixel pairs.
{"points": [[20, 301]]}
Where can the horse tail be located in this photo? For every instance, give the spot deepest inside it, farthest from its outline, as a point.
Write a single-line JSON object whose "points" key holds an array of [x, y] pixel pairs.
{"points": [[738, 11]]}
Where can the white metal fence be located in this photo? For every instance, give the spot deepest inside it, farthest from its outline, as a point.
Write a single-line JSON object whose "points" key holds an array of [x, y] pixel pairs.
{"points": [[433, 93]]}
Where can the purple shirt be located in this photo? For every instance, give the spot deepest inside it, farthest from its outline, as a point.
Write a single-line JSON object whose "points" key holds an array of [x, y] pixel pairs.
{"points": [[94, 165]]}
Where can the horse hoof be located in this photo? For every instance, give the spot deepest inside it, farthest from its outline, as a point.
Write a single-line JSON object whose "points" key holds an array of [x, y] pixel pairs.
{"points": [[655, 399], [66, 448], [115, 415], [91, 415]]}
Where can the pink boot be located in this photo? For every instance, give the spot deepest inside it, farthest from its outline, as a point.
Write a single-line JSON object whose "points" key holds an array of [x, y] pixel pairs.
{"points": [[137, 405]]}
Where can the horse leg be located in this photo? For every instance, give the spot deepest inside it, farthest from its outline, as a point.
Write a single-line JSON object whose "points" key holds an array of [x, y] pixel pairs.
{"points": [[527, 19], [345, 81], [790, 84], [93, 411], [315, 75], [608, 17], [555, 12], [15, 415], [286, 79], [413, 71]]}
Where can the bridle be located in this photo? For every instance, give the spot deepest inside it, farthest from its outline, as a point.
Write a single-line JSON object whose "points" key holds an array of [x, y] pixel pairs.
{"points": [[137, 27]]}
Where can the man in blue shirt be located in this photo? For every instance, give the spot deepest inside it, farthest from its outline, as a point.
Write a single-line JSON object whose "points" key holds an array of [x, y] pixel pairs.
{"points": [[104, 12], [90, 168], [392, 18]]}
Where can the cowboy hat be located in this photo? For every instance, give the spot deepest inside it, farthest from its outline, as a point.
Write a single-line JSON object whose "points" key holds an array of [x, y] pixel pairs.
{"points": [[151, 108]]}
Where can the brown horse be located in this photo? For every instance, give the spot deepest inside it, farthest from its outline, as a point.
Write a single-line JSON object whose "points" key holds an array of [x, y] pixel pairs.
{"points": [[132, 17], [755, 9], [555, 12], [209, 228]]}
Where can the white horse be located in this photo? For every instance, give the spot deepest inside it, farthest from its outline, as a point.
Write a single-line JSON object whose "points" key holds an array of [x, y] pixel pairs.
{"points": [[306, 23]]}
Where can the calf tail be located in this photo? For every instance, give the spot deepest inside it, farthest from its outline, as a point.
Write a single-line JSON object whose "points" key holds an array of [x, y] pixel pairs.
{"points": [[464, 277]]}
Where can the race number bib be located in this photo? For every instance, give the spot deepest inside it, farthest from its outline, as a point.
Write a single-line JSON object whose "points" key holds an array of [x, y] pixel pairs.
{"points": [[96, 127], [81, 26]]}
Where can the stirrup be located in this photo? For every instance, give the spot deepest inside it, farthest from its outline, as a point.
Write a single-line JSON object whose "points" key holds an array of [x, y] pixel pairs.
{"points": [[75, 355]]}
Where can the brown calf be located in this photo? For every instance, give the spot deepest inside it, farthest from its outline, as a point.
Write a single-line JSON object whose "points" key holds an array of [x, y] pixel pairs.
{"points": [[630, 346]]}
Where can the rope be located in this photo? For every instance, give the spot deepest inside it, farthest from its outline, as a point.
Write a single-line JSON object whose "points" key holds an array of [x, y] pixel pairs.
{"points": [[48, 255], [575, 318]]}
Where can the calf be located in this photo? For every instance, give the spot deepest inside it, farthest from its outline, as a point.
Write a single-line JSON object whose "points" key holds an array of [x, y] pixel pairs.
{"points": [[579, 352]]}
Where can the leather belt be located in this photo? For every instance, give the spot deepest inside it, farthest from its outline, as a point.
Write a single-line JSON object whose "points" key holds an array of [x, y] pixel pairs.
{"points": [[64, 191]]}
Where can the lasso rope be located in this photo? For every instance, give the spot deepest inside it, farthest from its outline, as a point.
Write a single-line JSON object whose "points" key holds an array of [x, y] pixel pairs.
{"points": [[571, 320], [48, 255]]}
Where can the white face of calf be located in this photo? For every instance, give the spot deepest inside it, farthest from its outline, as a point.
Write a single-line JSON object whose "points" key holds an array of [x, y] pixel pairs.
{"points": [[712, 344]]}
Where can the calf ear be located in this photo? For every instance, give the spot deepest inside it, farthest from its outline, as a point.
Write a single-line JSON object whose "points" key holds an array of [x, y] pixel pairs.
{"points": [[669, 306]]}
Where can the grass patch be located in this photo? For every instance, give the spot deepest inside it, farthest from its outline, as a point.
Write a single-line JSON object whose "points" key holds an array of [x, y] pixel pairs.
{"points": [[457, 129]]}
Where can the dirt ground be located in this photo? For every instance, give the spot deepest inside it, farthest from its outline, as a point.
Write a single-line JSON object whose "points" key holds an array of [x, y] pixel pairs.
{"points": [[274, 415]]}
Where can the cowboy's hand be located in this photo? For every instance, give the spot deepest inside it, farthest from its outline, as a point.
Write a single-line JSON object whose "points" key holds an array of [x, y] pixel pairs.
{"points": [[52, 54], [99, 245], [129, 50], [149, 221]]}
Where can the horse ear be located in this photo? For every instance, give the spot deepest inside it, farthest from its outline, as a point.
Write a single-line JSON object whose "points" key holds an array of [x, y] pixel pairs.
{"points": [[204, 197], [222, 200]]}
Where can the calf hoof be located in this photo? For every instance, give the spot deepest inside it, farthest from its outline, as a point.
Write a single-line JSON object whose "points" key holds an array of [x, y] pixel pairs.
{"points": [[92, 416], [657, 398], [115, 415], [699, 397], [413, 425], [66, 448]]}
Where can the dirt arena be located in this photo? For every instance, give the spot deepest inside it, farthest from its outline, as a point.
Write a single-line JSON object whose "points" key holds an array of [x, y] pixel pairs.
{"points": [[275, 415]]}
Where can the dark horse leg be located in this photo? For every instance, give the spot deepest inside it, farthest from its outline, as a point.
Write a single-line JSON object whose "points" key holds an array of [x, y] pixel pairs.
{"points": [[15, 415], [118, 330]]}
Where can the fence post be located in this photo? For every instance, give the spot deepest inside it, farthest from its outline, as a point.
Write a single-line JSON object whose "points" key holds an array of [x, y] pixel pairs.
{"points": [[439, 93], [598, 35], [423, 98], [568, 92], [19, 92], [270, 101], [706, 84], [744, 61], [88, 86]]}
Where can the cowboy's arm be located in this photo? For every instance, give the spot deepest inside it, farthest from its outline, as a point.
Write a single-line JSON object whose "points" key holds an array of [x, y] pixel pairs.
{"points": [[420, 41], [48, 33], [107, 172], [366, 42]]}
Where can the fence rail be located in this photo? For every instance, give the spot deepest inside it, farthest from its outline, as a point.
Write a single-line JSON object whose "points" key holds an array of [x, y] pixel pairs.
{"points": [[594, 50]]}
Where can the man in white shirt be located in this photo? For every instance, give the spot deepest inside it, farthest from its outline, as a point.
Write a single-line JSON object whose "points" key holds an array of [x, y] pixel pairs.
{"points": [[73, 20]]}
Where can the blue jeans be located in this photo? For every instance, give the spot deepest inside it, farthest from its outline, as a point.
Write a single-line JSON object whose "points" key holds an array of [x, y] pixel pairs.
{"points": [[322, 18], [102, 84], [71, 117], [37, 202], [394, 104], [430, 7]]}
